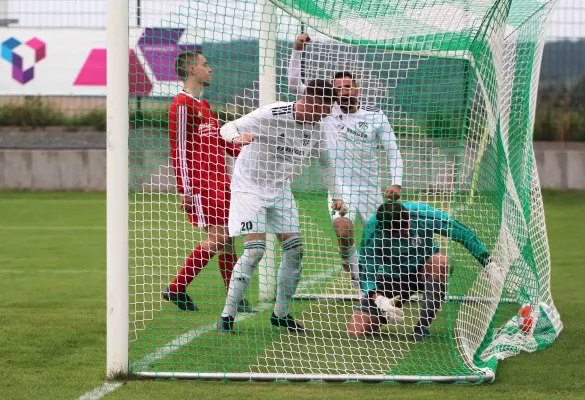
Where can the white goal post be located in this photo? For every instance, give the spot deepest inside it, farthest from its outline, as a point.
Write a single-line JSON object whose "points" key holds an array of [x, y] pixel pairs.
{"points": [[117, 188]]}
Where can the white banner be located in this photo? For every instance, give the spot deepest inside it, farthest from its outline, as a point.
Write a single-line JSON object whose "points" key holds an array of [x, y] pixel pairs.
{"points": [[72, 62]]}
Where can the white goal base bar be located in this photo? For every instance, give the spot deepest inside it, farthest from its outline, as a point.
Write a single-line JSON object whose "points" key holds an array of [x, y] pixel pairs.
{"points": [[480, 378], [355, 297]]}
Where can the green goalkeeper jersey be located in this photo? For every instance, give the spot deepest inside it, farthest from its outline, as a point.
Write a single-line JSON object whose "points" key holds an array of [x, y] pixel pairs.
{"points": [[395, 257]]}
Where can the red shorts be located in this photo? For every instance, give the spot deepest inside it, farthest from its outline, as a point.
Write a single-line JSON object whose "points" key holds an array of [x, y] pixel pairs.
{"points": [[210, 209]]}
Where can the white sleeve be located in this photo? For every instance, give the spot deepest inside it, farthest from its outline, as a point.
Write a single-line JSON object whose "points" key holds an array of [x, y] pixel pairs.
{"points": [[390, 144], [295, 83], [248, 123], [229, 131], [323, 152]]}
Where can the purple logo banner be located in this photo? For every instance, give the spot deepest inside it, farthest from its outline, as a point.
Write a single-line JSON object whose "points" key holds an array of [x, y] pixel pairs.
{"points": [[23, 57], [160, 47]]}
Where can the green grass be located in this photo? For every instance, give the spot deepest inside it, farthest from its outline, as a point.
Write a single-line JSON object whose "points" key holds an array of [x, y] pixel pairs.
{"points": [[52, 312]]}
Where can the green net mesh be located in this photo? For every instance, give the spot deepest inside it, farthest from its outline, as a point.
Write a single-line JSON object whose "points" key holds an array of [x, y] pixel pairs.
{"points": [[456, 80]]}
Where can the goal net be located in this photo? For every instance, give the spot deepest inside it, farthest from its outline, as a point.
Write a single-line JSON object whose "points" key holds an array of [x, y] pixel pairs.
{"points": [[456, 81]]}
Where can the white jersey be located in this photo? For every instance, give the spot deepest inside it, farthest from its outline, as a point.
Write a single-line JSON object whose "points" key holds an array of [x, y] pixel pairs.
{"points": [[355, 138], [281, 146]]}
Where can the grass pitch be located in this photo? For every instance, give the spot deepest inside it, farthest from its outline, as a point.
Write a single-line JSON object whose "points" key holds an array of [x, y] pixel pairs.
{"points": [[52, 319]]}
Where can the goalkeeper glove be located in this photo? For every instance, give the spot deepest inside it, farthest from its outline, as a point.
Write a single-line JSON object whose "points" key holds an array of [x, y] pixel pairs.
{"points": [[394, 315], [496, 275]]}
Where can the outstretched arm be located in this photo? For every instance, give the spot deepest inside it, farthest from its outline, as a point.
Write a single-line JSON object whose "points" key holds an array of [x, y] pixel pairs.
{"points": [[442, 224], [295, 82], [245, 129]]}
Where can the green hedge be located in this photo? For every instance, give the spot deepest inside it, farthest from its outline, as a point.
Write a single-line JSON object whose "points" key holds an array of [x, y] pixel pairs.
{"points": [[553, 121], [34, 113]]}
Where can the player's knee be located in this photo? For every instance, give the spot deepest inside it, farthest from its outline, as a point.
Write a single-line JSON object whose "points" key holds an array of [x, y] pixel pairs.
{"points": [[255, 255], [437, 266], [254, 251], [355, 329], [228, 245], [343, 227], [224, 245], [224, 239], [228, 249], [293, 247], [298, 252], [362, 323], [218, 234]]}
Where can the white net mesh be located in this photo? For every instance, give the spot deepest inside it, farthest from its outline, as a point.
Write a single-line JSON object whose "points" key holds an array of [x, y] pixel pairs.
{"points": [[456, 82]]}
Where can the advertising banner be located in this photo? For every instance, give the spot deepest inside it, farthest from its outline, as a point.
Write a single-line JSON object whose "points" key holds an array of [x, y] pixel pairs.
{"points": [[72, 62]]}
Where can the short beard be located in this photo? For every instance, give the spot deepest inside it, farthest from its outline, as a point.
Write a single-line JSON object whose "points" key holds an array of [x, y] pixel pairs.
{"points": [[347, 107]]}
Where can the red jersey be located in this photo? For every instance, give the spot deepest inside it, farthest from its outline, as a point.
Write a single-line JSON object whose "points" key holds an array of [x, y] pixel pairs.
{"points": [[197, 149]]}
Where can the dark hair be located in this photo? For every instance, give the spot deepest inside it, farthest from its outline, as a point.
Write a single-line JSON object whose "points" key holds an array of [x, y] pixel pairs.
{"points": [[182, 61], [322, 89], [343, 74], [394, 218]]}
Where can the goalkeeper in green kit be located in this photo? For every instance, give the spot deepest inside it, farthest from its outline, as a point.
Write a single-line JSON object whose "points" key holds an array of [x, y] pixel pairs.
{"points": [[398, 257]]}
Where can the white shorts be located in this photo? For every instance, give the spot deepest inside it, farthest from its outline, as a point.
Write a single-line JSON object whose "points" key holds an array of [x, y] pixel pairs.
{"points": [[252, 214], [362, 206]]}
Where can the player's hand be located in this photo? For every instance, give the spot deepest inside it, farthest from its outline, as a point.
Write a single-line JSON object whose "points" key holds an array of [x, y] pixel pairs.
{"points": [[393, 193], [393, 314], [340, 206], [496, 275], [244, 139], [187, 203], [302, 39]]}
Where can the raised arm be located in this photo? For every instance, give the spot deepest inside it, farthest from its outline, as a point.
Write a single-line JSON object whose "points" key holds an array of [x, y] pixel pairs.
{"points": [[295, 82]]}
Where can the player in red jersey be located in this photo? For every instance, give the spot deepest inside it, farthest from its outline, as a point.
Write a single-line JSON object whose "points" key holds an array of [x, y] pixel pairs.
{"points": [[198, 155]]}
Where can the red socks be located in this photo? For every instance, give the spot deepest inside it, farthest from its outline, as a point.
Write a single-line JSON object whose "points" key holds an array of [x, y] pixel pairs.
{"points": [[196, 261], [194, 264]]}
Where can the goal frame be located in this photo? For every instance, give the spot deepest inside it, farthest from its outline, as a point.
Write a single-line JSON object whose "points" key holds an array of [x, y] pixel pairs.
{"points": [[118, 296], [117, 268]]}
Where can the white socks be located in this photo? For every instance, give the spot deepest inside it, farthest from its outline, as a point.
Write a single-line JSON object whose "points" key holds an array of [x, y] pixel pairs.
{"points": [[242, 274], [289, 274]]}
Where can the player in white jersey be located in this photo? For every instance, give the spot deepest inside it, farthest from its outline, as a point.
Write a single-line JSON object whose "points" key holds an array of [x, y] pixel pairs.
{"points": [[355, 133], [277, 139]]}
